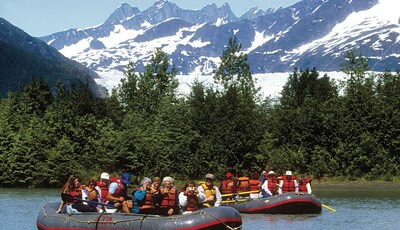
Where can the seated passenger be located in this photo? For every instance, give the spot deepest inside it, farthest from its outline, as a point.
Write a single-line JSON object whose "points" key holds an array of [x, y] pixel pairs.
{"points": [[305, 184], [228, 185], [210, 191], [169, 204], [144, 198], [117, 193], [288, 183], [71, 194], [90, 193], [102, 186], [269, 186], [254, 184], [189, 198]]}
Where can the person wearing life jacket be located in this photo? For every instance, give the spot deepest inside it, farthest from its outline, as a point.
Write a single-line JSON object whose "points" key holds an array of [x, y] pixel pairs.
{"points": [[170, 203], [102, 186], [243, 184], [305, 184], [288, 183], [210, 191], [189, 198], [74, 190], [118, 195], [145, 198], [254, 186], [269, 186], [228, 185], [90, 193]]}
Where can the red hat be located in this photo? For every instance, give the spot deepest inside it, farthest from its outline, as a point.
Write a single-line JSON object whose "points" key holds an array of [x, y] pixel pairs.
{"points": [[228, 175]]}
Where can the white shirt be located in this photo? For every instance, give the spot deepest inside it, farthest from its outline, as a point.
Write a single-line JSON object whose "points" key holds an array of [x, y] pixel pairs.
{"points": [[184, 202]]}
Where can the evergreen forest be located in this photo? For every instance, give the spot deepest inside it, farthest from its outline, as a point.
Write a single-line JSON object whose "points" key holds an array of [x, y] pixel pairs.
{"points": [[326, 129]]}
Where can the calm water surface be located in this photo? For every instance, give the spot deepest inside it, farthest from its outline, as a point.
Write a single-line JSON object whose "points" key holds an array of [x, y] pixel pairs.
{"points": [[356, 209]]}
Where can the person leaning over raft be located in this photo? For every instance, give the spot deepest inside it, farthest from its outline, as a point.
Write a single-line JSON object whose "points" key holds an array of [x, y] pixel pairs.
{"points": [[73, 188], [189, 198], [170, 203], [210, 191], [288, 183], [144, 198], [117, 193]]}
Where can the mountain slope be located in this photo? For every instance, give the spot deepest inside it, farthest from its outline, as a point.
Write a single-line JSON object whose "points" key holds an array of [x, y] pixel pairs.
{"points": [[23, 57], [311, 33]]}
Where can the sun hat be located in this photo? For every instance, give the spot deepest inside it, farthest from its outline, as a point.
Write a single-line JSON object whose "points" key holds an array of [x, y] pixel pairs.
{"points": [[228, 175], [105, 176], [210, 176], [288, 173], [271, 173]]}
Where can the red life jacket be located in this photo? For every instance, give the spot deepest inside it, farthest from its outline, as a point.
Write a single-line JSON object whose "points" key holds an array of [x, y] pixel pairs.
{"points": [[76, 193], [302, 184], [227, 186], [121, 190], [243, 185], [104, 190], [272, 181], [288, 184], [148, 201], [169, 199], [193, 203], [254, 185]]}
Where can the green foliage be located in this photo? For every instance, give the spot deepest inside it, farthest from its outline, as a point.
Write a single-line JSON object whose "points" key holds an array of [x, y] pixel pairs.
{"points": [[146, 129]]}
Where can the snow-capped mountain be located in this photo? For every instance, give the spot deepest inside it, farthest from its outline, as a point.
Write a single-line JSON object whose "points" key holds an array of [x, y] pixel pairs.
{"points": [[311, 33]]}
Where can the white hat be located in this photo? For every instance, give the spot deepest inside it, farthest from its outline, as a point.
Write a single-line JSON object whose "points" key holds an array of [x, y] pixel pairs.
{"points": [[167, 178], [288, 173], [271, 172], [210, 176], [105, 176]]}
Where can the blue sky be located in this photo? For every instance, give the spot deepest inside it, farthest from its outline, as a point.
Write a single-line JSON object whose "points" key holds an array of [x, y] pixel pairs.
{"points": [[44, 17]]}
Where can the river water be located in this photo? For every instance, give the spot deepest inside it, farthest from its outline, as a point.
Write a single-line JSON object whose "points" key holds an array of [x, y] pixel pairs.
{"points": [[356, 208]]}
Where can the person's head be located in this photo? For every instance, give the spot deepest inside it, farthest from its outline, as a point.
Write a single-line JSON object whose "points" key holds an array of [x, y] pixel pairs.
{"points": [[255, 176], [271, 174], [72, 183], [288, 174], [228, 175], [126, 178], [156, 182], [209, 179], [91, 183], [168, 182], [105, 177], [145, 182], [302, 177]]}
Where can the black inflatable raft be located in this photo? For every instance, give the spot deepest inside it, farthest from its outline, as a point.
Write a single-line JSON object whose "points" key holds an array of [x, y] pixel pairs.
{"points": [[286, 203], [209, 218]]}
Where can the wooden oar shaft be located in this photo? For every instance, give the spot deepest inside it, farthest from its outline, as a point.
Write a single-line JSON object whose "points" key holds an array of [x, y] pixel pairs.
{"points": [[234, 201]]}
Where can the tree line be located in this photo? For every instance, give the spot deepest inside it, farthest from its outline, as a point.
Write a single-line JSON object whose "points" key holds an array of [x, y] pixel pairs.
{"points": [[347, 129]]}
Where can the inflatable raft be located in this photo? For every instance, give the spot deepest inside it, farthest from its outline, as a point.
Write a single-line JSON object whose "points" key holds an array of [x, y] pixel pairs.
{"points": [[209, 218], [286, 203]]}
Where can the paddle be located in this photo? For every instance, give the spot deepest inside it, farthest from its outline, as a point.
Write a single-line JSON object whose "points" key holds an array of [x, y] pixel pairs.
{"points": [[329, 208], [68, 198], [234, 201], [239, 193]]}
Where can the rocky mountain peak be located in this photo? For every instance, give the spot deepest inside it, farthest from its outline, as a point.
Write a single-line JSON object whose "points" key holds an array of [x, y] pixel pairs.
{"points": [[123, 12]]}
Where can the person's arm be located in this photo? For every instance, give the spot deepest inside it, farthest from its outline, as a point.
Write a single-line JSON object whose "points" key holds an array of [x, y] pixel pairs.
{"points": [[218, 197], [265, 188], [61, 206], [308, 186], [183, 199], [85, 194], [110, 195], [296, 186], [140, 195], [280, 187]]}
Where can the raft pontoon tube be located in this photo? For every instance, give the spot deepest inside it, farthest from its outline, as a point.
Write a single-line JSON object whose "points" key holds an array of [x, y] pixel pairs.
{"points": [[286, 203], [208, 218]]}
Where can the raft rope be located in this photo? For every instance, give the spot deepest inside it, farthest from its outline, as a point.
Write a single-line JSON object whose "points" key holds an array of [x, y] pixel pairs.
{"points": [[173, 218]]}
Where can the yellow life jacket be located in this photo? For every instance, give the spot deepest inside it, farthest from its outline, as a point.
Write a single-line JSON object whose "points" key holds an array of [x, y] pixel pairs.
{"points": [[209, 192]]}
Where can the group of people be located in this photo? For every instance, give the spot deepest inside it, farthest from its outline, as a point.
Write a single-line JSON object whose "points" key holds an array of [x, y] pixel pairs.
{"points": [[152, 197], [268, 184], [156, 196]]}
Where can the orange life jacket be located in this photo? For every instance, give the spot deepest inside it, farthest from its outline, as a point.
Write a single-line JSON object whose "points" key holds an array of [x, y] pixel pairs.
{"points": [[302, 184], [227, 186], [243, 184], [288, 184], [104, 190], [169, 198], [254, 185], [272, 185]]}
